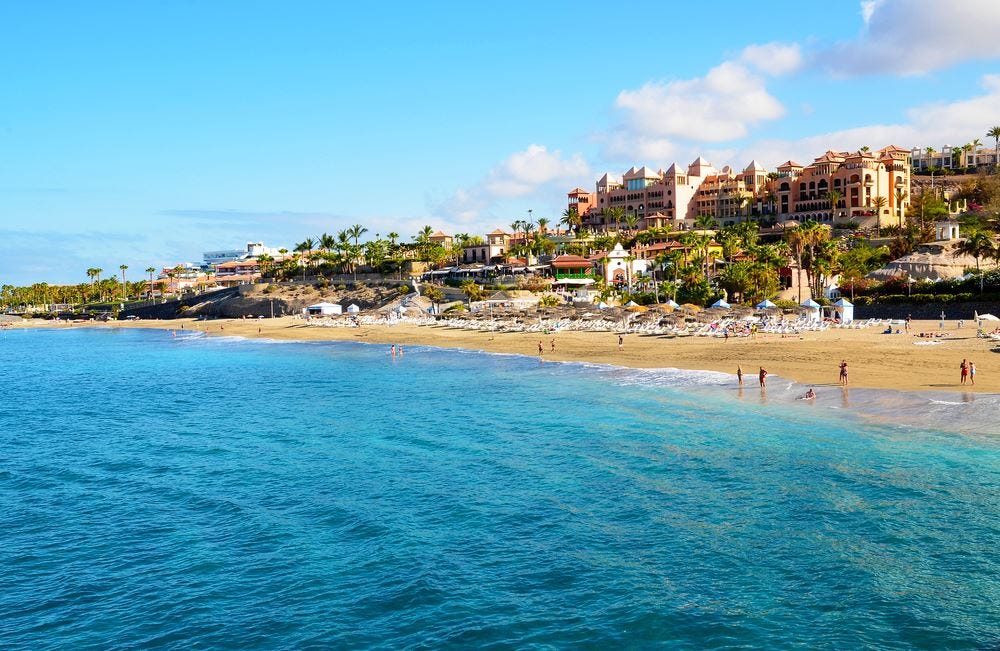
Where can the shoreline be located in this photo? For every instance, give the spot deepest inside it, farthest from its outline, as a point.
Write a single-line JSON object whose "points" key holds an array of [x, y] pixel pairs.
{"points": [[876, 361]]}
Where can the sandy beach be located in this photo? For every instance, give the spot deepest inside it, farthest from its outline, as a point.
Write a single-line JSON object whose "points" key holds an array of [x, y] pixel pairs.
{"points": [[875, 360]]}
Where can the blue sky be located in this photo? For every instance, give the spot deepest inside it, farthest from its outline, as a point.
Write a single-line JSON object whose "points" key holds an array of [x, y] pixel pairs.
{"points": [[145, 133]]}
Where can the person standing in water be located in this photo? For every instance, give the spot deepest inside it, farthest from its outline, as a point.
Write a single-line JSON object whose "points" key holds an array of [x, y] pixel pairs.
{"points": [[762, 376], [843, 371], [739, 375]]}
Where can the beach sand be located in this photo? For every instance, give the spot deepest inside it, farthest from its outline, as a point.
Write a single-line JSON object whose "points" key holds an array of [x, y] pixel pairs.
{"points": [[875, 360]]}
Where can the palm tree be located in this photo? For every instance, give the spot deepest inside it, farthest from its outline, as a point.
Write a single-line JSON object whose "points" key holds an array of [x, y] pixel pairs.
{"points": [[327, 243], [123, 267], [631, 221], [704, 222], [543, 224], [393, 238], [151, 271], [614, 215], [879, 203], [995, 134], [979, 244], [901, 197], [797, 237], [975, 145], [834, 197], [356, 232], [97, 279]]}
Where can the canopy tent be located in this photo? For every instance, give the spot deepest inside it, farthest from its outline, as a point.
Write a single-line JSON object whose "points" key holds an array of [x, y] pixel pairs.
{"points": [[631, 304], [672, 303], [721, 303], [811, 308], [843, 310], [602, 306], [353, 308], [765, 304]]}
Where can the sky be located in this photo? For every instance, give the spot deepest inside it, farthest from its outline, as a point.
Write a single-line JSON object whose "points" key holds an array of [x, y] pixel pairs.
{"points": [[144, 133]]}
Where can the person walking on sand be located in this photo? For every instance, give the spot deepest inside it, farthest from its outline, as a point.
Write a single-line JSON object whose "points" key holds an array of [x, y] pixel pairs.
{"points": [[964, 367], [906, 324], [739, 375], [762, 376], [621, 343], [553, 342], [972, 373], [843, 371], [541, 349]]}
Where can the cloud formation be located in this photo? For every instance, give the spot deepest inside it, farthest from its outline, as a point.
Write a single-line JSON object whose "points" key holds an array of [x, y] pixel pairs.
{"points": [[722, 105], [912, 37], [534, 171], [934, 124]]}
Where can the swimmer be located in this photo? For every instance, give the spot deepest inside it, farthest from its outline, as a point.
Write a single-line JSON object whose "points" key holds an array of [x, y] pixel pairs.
{"points": [[809, 395]]}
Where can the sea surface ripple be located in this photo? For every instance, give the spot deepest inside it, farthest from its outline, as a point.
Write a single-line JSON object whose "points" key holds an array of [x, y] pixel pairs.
{"points": [[172, 491]]}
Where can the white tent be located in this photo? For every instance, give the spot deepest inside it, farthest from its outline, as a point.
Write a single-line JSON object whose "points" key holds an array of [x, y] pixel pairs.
{"points": [[721, 303], [323, 309], [602, 306], [631, 304], [766, 303], [672, 303], [846, 310], [811, 309], [353, 309], [988, 317]]}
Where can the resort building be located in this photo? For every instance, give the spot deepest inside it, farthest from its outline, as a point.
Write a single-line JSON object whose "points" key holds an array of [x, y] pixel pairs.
{"points": [[440, 238], [675, 197], [252, 250], [493, 250], [860, 181], [952, 158]]}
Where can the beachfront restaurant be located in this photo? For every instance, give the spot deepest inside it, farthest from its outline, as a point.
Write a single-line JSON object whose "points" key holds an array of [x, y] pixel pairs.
{"points": [[323, 309]]}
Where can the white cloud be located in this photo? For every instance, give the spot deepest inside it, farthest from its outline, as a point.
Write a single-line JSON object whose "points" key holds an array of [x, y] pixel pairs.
{"points": [[719, 106], [524, 171], [535, 173], [935, 124], [912, 37], [773, 58]]}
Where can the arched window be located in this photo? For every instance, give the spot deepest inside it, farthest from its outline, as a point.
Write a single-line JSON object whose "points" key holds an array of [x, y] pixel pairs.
{"points": [[784, 187]]}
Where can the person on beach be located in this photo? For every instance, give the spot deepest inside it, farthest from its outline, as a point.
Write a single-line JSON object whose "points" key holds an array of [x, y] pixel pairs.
{"points": [[541, 349], [964, 367], [621, 343], [739, 375], [392, 350], [972, 373], [906, 324], [553, 342], [843, 371], [762, 376], [809, 394]]}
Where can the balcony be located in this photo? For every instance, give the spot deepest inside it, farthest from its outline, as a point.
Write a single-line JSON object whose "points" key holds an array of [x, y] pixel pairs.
{"points": [[561, 275]]}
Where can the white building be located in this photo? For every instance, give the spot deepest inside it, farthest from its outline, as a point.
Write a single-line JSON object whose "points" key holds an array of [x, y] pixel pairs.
{"points": [[252, 250]]}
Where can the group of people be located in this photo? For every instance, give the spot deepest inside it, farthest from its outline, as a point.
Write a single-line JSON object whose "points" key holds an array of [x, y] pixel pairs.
{"points": [[810, 393], [968, 370]]}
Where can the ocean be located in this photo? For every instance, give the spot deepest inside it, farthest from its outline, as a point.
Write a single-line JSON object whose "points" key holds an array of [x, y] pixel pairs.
{"points": [[177, 491]]}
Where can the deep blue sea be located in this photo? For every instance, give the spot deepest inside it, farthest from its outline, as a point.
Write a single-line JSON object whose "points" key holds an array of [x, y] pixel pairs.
{"points": [[186, 492]]}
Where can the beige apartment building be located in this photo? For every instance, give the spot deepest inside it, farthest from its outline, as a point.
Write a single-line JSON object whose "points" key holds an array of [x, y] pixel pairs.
{"points": [[675, 197]]}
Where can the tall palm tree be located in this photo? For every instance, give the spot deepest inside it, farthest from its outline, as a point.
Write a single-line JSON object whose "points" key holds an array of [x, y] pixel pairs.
{"points": [[995, 134], [327, 243], [356, 232], [975, 145], [393, 238], [151, 271], [879, 203], [123, 267], [901, 197], [797, 237], [543, 225], [614, 215], [834, 197], [704, 222]]}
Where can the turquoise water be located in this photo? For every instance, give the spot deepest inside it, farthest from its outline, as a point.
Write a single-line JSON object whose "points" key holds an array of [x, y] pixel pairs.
{"points": [[190, 492]]}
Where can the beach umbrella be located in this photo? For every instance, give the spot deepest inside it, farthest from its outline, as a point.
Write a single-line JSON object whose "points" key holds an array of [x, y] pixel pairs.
{"points": [[602, 306], [631, 304], [988, 317], [721, 303], [810, 303], [765, 304], [672, 303]]}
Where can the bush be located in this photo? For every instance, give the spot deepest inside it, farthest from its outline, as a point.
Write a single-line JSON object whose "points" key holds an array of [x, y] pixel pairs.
{"points": [[403, 290], [786, 304]]}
